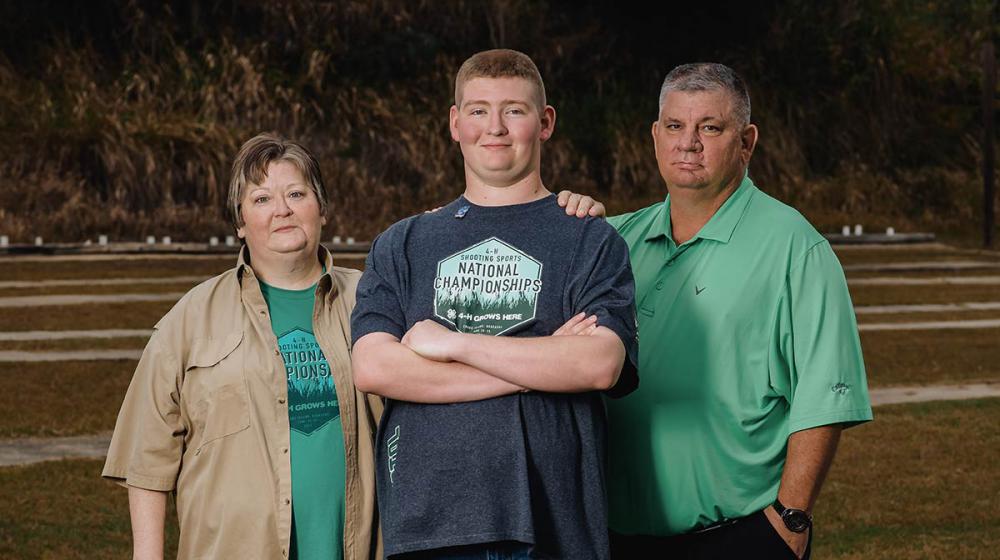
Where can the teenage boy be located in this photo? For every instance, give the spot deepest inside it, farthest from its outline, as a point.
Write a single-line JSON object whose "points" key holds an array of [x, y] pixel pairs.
{"points": [[493, 439]]}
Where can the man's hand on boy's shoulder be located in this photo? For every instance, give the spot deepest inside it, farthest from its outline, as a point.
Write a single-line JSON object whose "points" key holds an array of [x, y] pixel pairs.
{"points": [[580, 205]]}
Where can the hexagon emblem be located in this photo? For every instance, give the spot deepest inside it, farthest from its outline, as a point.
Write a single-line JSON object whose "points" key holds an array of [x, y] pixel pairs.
{"points": [[488, 288]]}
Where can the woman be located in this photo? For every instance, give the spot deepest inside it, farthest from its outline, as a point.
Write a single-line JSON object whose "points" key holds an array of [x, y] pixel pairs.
{"points": [[243, 402]]}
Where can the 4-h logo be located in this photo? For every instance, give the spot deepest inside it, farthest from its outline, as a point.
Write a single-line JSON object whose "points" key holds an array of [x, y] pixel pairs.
{"points": [[488, 288]]}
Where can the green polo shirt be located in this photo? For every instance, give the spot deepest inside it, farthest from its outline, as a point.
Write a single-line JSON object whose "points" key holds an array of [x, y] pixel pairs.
{"points": [[747, 335]]}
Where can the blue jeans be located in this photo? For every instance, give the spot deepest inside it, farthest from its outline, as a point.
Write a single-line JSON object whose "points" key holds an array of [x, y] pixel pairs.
{"points": [[486, 551]]}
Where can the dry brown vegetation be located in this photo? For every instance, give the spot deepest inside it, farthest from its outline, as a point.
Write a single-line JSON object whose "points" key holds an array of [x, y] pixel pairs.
{"points": [[122, 117]]}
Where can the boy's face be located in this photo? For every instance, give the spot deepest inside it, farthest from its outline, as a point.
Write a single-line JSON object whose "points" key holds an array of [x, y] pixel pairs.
{"points": [[500, 129]]}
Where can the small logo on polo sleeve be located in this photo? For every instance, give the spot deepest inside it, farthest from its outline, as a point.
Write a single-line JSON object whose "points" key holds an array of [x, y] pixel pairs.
{"points": [[392, 446], [841, 388], [699, 289]]}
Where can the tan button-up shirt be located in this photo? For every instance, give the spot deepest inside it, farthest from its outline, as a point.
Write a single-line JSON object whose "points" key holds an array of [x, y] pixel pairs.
{"points": [[206, 416]]}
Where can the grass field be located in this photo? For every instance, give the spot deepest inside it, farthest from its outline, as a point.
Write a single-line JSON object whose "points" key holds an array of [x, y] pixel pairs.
{"points": [[927, 357], [14, 269], [127, 343], [919, 482], [868, 255], [63, 510], [61, 398], [140, 315]]}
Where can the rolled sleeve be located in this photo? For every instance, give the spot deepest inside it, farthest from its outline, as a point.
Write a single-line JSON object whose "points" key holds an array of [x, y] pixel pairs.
{"points": [[604, 287], [148, 440], [827, 381], [379, 307]]}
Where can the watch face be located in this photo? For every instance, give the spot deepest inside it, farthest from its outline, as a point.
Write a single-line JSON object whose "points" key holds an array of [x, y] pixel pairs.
{"points": [[797, 521]]}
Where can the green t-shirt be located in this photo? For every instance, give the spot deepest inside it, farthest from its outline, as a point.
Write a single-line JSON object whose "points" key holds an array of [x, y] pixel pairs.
{"points": [[317, 440], [748, 335]]}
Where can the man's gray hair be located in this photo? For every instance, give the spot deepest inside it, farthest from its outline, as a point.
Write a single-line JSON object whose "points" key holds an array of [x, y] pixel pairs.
{"points": [[252, 161], [709, 76]]}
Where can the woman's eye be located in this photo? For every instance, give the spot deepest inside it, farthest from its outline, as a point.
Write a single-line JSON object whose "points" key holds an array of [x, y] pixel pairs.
{"points": [[260, 199]]}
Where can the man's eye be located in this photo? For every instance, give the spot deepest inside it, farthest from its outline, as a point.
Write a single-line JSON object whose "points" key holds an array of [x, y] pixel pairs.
{"points": [[515, 111], [673, 126], [711, 128], [477, 112]]}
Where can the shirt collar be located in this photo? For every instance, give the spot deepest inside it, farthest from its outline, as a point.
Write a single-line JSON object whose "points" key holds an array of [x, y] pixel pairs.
{"points": [[722, 224], [325, 256]]}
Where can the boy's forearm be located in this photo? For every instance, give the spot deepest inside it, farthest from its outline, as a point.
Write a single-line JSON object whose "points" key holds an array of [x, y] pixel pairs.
{"points": [[562, 364], [386, 367]]}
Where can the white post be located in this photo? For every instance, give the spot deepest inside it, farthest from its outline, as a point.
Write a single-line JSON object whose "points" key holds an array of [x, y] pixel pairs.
{"points": [[213, 241], [150, 240], [4, 241], [38, 241], [890, 231], [350, 241], [858, 229], [166, 240], [336, 239], [846, 231], [102, 239]]}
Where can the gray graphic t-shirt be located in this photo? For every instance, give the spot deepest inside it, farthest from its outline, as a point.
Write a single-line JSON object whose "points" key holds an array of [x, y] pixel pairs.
{"points": [[527, 467]]}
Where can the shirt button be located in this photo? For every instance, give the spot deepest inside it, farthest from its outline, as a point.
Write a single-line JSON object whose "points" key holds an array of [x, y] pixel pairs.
{"points": [[277, 352], [281, 400], [287, 501], [284, 552], [284, 450], [659, 285]]}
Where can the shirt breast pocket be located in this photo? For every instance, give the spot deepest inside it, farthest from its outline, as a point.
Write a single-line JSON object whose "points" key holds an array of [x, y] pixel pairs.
{"points": [[215, 385]]}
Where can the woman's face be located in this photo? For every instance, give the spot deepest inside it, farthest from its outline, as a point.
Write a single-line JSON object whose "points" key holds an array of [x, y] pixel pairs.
{"points": [[281, 215]]}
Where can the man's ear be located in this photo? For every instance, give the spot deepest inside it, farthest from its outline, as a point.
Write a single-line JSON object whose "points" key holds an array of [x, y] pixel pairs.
{"points": [[548, 118], [748, 140], [453, 122]]}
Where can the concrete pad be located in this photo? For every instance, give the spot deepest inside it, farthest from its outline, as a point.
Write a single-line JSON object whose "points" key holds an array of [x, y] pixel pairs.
{"points": [[100, 282], [899, 395], [935, 281], [931, 325], [927, 308], [71, 356], [80, 299], [68, 335], [35, 450], [922, 266]]}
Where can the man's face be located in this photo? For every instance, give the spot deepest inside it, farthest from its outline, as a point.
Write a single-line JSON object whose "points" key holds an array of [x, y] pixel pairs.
{"points": [[699, 143], [500, 129], [281, 215]]}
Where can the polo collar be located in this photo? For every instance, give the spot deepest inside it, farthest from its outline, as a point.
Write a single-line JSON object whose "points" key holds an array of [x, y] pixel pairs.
{"points": [[722, 224]]}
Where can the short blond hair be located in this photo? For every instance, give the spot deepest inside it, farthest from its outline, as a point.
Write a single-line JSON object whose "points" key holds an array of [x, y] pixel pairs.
{"points": [[250, 168], [500, 63]]}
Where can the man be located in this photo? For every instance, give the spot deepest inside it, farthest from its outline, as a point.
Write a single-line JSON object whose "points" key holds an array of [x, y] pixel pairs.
{"points": [[493, 441], [751, 362]]}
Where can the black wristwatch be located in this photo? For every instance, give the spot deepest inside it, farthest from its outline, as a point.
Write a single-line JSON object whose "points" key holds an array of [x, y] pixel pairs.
{"points": [[796, 520]]}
